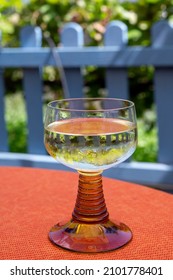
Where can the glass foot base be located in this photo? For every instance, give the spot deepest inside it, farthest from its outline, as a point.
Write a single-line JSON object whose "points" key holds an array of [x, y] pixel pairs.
{"points": [[90, 238]]}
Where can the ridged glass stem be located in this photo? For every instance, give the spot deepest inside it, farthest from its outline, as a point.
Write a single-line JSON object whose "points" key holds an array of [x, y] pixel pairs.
{"points": [[90, 204]]}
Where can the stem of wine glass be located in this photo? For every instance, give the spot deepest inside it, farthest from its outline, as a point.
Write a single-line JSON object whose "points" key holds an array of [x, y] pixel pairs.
{"points": [[90, 229], [90, 204]]}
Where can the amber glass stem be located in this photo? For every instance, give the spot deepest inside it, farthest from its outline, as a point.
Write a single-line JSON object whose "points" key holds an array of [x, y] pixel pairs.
{"points": [[90, 204]]}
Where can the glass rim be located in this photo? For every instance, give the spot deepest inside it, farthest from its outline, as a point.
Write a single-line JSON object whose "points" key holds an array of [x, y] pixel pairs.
{"points": [[131, 104]]}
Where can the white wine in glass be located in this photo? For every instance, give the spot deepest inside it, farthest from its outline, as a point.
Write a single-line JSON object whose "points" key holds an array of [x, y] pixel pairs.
{"points": [[90, 135]]}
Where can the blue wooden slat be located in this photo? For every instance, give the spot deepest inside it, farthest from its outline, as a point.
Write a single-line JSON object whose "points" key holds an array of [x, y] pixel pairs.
{"points": [[32, 83], [72, 36], [164, 99], [3, 138], [116, 79], [72, 57], [162, 35]]}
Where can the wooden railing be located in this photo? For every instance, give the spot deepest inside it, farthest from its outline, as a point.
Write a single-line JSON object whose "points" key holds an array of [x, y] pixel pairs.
{"points": [[116, 57]]}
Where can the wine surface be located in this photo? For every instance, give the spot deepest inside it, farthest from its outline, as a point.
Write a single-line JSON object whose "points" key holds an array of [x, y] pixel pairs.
{"points": [[90, 144]]}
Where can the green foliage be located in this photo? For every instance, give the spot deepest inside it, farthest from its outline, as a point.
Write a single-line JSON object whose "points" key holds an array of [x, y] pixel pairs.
{"points": [[16, 122], [9, 18], [147, 147], [51, 15]]}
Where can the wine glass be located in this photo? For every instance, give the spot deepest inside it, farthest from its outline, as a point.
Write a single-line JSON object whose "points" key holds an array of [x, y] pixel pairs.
{"points": [[90, 135]]}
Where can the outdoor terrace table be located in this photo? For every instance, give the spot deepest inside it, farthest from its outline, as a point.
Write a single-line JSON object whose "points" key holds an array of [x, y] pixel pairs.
{"points": [[32, 200]]}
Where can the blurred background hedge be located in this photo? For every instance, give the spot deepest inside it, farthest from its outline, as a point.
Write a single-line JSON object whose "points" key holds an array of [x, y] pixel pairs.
{"points": [[51, 15]]}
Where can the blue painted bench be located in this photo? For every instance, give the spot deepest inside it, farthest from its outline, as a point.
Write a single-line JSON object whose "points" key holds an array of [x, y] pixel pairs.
{"points": [[116, 57]]}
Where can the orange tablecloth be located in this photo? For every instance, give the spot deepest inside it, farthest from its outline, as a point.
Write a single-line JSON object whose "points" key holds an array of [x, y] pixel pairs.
{"points": [[32, 200]]}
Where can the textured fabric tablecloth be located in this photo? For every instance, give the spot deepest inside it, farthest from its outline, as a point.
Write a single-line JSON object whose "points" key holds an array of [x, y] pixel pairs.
{"points": [[33, 200]]}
